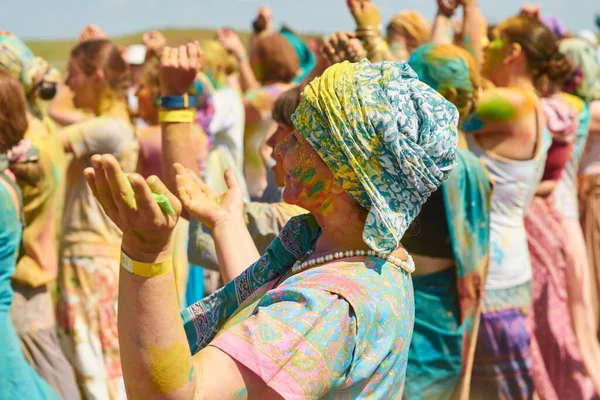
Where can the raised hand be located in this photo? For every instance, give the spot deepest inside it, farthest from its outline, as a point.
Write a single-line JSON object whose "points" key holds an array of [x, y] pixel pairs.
{"points": [[129, 202], [365, 13], [155, 42], [92, 32], [178, 68], [344, 46], [447, 7], [232, 42], [203, 204], [264, 20]]}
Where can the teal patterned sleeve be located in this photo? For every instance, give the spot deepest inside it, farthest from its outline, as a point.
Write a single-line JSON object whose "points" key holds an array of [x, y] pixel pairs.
{"points": [[203, 320]]}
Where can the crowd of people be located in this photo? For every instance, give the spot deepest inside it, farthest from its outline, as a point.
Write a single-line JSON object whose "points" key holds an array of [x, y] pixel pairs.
{"points": [[408, 215]]}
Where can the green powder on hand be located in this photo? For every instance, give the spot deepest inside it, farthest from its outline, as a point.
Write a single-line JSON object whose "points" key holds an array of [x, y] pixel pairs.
{"points": [[161, 199]]}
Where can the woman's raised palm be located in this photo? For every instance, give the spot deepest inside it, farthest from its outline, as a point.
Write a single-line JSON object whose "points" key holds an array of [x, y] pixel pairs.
{"points": [[203, 204]]}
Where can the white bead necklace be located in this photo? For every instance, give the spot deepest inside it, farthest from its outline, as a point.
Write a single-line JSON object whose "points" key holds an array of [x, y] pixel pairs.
{"points": [[408, 265]]}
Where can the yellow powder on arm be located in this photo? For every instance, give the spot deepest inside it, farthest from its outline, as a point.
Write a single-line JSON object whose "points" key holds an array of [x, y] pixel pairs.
{"points": [[170, 367]]}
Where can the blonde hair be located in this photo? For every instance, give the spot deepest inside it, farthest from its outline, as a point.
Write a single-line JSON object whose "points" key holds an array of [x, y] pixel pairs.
{"points": [[413, 24]]}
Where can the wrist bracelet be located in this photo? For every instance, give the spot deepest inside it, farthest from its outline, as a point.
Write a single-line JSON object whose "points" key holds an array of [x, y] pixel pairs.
{"points": [[144, 269], [177, 116], [178, 102]]}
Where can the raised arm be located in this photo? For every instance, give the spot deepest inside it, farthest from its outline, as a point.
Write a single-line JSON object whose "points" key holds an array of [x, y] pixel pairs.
{"points": [[232, 42], [474, 29], [178, 70], [156, 359], [221, 213], [368, 29], [442, 24]]}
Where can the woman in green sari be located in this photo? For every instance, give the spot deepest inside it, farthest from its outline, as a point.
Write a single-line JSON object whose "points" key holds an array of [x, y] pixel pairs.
{"points": [[449, 242]]}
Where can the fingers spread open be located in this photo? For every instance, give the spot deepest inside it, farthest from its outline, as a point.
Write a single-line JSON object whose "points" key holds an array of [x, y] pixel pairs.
{"points": [[195, 178]]}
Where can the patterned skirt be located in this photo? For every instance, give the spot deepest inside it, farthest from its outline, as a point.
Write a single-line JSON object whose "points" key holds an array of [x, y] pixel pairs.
{"points": [[557, 363], [87, 324], [502, 364]]}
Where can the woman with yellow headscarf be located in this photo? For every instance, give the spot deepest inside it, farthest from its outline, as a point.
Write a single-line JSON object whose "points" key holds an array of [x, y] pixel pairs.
{"points": [[372, 143]]}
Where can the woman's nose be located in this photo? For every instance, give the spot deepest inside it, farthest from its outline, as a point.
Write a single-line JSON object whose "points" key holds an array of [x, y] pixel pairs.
{"points": [[282, 147]]}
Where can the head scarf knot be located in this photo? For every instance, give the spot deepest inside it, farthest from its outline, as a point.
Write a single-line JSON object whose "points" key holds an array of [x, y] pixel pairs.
{"points": [[388, 138], [23, 65]]}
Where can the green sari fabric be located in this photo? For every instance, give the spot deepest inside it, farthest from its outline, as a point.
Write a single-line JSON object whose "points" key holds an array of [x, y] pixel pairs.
{"points": [[448, 303]]}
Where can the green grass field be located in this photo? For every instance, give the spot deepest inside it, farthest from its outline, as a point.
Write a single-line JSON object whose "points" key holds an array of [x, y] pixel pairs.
{"points": [[56, 52]]}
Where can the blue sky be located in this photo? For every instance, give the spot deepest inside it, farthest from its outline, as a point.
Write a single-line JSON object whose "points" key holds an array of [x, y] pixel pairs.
{"points": [[49, 19]]}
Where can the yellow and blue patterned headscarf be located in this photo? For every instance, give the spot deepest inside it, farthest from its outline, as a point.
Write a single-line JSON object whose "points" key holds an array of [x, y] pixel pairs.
{"points": [[388, 138], [23, 65]]}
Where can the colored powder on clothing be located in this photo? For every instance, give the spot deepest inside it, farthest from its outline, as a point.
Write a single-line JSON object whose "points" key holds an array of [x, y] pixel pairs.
{"points": [[308, 175], [167, 371]]}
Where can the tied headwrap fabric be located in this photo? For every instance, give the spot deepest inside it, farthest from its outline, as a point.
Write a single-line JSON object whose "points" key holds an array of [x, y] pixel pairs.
{"points": [[23, 65], [388, 138], [583, 55]]}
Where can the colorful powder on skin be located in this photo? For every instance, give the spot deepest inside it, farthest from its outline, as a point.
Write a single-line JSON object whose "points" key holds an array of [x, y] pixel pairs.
{"points": [[316, 189], [191, 377], [468, 45], [168, 372], [297, 172], [497, 44], [241, 394], [308, 175], [327, 208], [496, 108], [161, 199], [472, 124], [127, 196]]}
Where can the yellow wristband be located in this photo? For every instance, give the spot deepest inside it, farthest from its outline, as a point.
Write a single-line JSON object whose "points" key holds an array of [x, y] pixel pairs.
{"points": [[146, 270], [175, 116]]}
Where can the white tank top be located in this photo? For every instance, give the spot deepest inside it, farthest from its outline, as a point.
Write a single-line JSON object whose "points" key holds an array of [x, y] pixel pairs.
{"points": [[515, 185]]}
